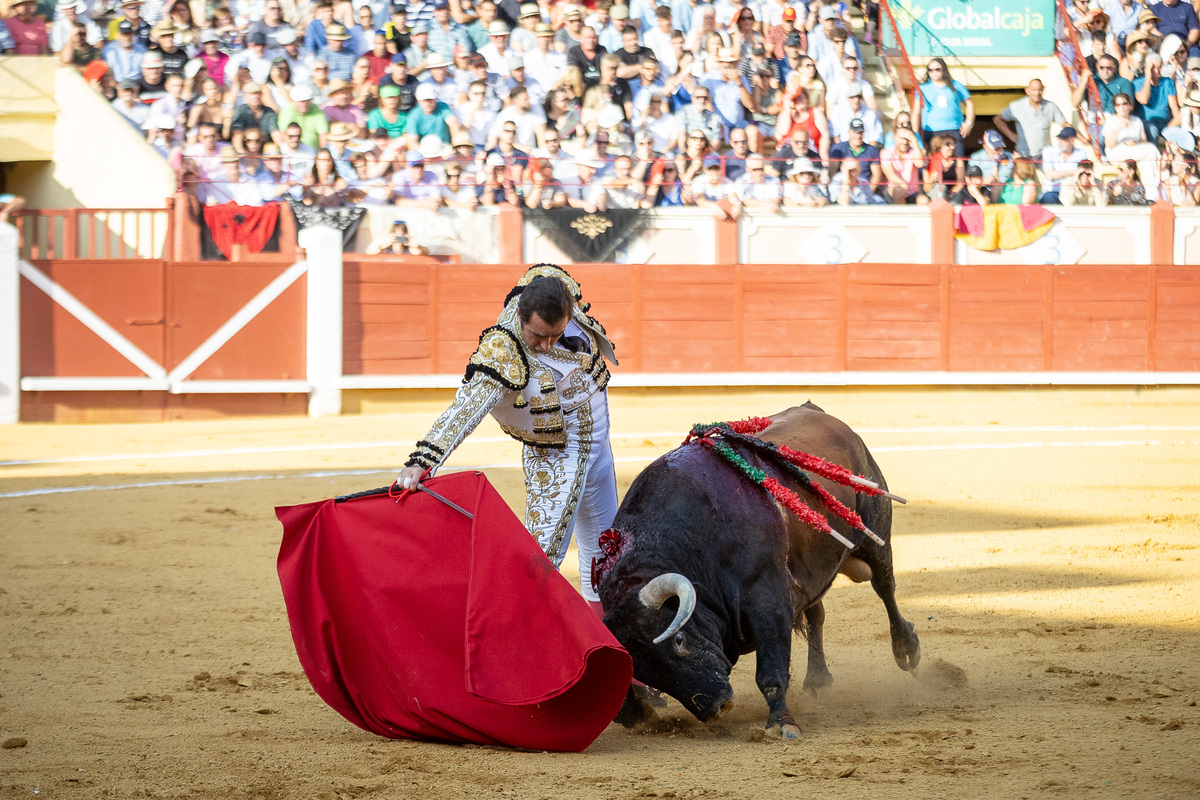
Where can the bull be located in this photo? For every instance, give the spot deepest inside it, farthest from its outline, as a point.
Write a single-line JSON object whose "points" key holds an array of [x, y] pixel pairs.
{"points": [[711, 568]]}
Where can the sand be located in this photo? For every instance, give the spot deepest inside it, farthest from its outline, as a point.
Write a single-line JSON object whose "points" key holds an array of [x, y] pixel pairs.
{"points": [[1049, 556]]}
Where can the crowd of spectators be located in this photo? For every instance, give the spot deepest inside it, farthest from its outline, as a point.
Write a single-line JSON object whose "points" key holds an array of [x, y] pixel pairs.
{"points": [[730, 105]]}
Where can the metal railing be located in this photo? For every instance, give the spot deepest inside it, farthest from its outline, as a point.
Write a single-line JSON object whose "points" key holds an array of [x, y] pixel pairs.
{"points": [[897, 57], [93, 233], [1075, 68]]}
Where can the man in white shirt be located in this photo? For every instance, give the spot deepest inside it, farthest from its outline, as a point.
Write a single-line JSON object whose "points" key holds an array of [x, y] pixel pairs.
{"points": [[496, 50], [756, 189], [560, 160], [254, 57], [709, 190], [853, 108], [582, 192], [530, 122], [543, 63]]}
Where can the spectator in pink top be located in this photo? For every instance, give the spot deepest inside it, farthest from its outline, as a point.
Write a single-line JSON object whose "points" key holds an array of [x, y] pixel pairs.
{"points": [[340, 109], [27, 31]]}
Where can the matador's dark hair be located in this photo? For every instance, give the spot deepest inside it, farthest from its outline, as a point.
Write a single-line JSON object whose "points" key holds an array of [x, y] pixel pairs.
{"points": [[548, 297]]}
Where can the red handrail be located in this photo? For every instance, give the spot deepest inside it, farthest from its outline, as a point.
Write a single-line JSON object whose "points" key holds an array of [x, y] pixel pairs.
{"points": [[885, 10], [1079, 62]]}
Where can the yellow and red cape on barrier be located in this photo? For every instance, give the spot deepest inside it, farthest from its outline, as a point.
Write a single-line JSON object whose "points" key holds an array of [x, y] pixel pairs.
{"points": [[1001, 227]]}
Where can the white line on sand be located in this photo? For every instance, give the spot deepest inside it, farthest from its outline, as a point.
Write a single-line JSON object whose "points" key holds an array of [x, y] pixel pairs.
{"points": [[516, 465], [406, 443]]}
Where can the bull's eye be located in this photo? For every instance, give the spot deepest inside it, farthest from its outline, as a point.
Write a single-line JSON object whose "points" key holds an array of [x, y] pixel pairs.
{"points": [[679, 640]]}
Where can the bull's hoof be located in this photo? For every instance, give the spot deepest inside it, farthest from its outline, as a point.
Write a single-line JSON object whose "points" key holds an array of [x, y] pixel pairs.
{"points": [[785, 730], [906, 647], [816, 682], [637, 709]]}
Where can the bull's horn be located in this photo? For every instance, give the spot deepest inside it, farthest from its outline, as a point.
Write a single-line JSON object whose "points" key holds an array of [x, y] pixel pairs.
{"points": [[664, 587]]}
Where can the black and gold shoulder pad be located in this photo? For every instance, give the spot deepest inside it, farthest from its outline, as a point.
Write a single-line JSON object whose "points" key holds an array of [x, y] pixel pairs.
{"points": [[499, 356]]}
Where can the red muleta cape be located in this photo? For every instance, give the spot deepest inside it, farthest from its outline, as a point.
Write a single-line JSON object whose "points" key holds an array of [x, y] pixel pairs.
{"points": [[415, 622]]}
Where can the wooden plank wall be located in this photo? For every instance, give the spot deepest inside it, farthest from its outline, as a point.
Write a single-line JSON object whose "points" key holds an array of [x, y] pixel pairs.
{"points": [[425, 318]]}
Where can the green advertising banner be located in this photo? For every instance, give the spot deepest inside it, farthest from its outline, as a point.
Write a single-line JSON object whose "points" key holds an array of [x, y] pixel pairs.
{"points": [[973, 27]]}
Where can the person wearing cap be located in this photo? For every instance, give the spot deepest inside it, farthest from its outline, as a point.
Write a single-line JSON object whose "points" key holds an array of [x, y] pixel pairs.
{"points": [[444, 33], [415, 186], [866, 153], [973, 191], [1179, 18], [160, 134], [709, 189], [128, 103], [131, 13], [853, 109], [215, 62], [1157, 104], [429, 118], [305, 113], [405, 84], [542, 62], [586, 56], [609, 21], [396, 28], [387, 116], [1033, 117], [254, 58], [780, 22], [499, 187], [803, 187], [124, 56], [519, 77], [993, 160], [1059, 163], [823, 21], [418, 53]]}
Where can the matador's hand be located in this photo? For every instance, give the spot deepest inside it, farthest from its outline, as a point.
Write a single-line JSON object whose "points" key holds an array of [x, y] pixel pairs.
{"points": [[409, 477]]}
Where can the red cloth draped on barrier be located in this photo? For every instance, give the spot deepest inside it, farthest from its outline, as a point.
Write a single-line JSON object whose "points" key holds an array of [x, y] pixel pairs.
{"points": [[232, 224], [415, 622]]}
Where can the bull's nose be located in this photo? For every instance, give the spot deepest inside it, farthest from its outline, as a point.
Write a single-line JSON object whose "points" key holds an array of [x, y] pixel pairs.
{"points": [[726, 707]]}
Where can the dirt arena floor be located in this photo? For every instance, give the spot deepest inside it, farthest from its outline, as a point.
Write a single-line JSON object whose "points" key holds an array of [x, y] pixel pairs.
{"points": [[1049, 556]]}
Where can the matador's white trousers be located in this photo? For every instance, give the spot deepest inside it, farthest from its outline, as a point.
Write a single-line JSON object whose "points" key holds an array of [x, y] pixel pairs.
{"points": [[573, 491]]}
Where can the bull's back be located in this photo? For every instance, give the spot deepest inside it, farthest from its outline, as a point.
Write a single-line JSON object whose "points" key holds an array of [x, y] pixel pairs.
{"points": [[809, 429]]}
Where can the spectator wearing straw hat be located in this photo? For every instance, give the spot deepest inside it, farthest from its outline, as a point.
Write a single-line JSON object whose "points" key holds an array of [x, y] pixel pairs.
{"points": [[310, 118], [340, 109], [543, 63], [582, 193], [336, 55], [524, 36], [438, 76], [1189, 102], [124, 56], [337, 141], [174, 58], [496, 51]]}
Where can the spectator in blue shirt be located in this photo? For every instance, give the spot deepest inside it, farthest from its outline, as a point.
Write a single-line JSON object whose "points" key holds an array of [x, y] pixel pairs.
{"points": [[1109, 84], [124, 56], [1157, 104], [334, 53], [314, 34], [946, 108], [1180, 19], [730, 97]]}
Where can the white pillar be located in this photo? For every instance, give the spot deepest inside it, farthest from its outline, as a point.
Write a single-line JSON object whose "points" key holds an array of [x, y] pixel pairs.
{"points": [[10, 326], [324, 325]]}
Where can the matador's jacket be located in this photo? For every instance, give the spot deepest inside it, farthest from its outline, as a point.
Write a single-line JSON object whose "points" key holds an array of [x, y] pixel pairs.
{"points": [[506, 379]]}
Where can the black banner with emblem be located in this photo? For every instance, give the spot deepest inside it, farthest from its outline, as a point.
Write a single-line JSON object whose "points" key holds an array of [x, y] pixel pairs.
{"points": [[588, 237]]}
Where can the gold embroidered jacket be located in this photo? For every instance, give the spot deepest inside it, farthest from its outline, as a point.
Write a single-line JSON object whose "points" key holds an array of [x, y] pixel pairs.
{"points": [[506, 379]]}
